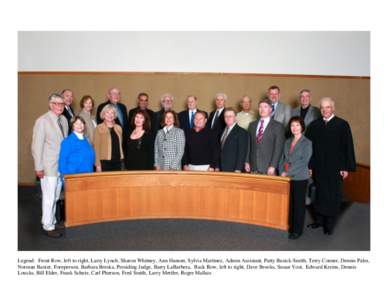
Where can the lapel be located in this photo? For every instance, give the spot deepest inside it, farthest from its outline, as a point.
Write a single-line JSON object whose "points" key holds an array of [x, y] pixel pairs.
{"points": [[308, 114]]}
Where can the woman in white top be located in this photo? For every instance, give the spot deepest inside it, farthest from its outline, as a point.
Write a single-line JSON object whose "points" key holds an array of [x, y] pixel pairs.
{"points": [[87, 105]]}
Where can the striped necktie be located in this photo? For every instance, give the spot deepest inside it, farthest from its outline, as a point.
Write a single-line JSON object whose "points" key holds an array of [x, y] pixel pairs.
{"points": [[259, 136], [215, 118], [60, 126], [224, 136], [192, 119]]}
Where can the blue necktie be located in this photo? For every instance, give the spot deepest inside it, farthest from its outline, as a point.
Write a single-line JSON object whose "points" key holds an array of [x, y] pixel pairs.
{"points": [[192, 120]]}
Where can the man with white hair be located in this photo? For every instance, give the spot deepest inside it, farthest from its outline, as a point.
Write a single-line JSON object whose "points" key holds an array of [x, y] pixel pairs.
{"points": [[48, 132], [216, 120], [166, 103], [333, 157]]}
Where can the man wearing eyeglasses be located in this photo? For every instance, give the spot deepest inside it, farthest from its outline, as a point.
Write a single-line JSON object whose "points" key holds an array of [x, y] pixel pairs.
{"points": [[48, 132]]}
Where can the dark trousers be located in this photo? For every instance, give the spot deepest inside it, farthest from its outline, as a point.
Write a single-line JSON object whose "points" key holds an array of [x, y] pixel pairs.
{"points": [[109, 165], [297, 206], [328, 222]]}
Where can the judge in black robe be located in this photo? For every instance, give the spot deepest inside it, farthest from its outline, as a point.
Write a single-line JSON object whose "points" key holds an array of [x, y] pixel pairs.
{"points": [[333, 157]]}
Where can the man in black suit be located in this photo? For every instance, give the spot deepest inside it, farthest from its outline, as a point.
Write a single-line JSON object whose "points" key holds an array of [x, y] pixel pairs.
{"points": [[114, 97], [68, 111], [216, 121], [186, 117], [142, 105], [166, 102], [234, 144]]}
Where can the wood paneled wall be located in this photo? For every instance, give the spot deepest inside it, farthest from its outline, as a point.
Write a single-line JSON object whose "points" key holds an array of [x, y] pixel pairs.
{"points": [[352, 96], [111, 196]]}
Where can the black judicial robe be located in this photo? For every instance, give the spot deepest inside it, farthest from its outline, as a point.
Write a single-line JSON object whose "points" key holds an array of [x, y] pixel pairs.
{"points": [[333, 151]]}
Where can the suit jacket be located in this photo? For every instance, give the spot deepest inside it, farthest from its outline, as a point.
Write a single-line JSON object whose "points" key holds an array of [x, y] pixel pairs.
{"points": [[68, 117], [124, 113], [184, 119], [312, 114], [234, 151], [282, 113], [46, 142], [169, 149], [298, 160], [156, 121], [267, 153], [219, 124]]}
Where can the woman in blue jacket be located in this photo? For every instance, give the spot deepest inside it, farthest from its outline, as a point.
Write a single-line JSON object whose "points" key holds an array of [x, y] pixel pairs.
{"points": [[76, 154], [294, 163]]}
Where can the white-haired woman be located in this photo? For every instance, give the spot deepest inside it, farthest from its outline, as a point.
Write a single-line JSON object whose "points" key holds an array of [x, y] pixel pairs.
{"points": [[108, 141]]}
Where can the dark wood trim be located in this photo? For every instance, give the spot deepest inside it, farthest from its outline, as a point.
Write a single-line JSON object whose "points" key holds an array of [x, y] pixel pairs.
{"points": [[190, 73]]}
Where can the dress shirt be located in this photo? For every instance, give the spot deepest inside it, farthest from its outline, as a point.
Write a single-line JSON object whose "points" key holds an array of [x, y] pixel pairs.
{"points": [[266, 121]]}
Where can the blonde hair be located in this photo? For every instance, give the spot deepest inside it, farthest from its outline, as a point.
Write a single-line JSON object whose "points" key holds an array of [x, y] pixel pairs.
{"points": [[106, 108]]}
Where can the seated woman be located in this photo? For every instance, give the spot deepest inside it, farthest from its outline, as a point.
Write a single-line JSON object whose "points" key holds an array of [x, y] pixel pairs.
{"points": [[108, 141], [294, 163], [76, 154], [87, 105], [169, 143], [139, 153], [202, 146]]}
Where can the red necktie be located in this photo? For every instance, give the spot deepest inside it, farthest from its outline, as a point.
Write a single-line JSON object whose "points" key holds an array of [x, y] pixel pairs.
{"points": [[259, 136]]}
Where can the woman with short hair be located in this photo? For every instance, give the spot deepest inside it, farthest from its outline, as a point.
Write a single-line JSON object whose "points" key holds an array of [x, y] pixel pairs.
{"points": [[108, 141], [169, 143]]}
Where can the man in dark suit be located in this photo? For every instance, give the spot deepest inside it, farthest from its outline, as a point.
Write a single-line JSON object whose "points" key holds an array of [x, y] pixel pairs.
{"points": [[333, 157], [68, 111], [305, 110], [234, 144], [216, 120], [186, 117], [266, 140], [166, 103], [142, 105], [114, 97]]}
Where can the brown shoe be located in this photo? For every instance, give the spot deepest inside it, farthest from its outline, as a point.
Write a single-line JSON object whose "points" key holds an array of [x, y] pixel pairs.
{"points": [[54, 234], [59, 226]]}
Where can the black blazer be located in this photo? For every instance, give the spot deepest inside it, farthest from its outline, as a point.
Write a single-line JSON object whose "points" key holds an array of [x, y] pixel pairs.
{"points": [[219, 125], [124, 113], [235, 150], [156, 121], [68, 117], [184, 124]]}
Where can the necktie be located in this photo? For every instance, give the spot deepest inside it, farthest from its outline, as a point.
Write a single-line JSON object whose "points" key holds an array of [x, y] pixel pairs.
{"points": [[224, 136], [192, 119], [273, 110], [259, 136], [119, 115], [60, 126], [215, 118], [70, 112]]}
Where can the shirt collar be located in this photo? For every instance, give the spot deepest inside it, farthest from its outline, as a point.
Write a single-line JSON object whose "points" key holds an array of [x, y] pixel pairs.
{"points": [[328, 119], [80, 136], [166, 129]]}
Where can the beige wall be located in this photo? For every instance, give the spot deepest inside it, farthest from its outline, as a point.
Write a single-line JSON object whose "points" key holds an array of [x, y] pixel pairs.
{"points": [[352, 96]]}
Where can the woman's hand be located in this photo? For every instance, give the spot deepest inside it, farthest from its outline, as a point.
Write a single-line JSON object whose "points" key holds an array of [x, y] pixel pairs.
{"points": [[157, 168], [284, 174], [98, 169], [186, 167], [247, 168], [39, 174]]}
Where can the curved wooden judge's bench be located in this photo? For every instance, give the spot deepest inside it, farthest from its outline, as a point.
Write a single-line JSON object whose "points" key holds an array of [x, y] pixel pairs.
{"points": [[112, 196]]}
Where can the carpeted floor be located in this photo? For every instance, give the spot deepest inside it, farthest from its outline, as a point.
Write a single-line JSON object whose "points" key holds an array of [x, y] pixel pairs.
{"points": [[352, 233]]}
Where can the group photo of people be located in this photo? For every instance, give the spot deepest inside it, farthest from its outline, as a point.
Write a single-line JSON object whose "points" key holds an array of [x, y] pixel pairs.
{"points": [[264, 136]]}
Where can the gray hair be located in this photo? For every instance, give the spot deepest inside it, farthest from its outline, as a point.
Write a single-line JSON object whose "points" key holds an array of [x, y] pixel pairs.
{"points": [[166, 95], [54, 96], [327, 99], [245, 96], [223, 95], [106, 108]]}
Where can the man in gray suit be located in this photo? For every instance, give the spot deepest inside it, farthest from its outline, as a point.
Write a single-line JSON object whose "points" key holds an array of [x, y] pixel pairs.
{"points": [[266, 140], [281, 112], [305, 110], [49, 131]]}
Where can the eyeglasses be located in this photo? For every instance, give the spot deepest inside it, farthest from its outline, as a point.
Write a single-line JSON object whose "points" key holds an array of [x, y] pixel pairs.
{"points": [[58, 103]]}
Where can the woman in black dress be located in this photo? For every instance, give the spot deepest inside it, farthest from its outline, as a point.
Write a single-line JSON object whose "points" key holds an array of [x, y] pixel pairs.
{"points": [[139, 153]]}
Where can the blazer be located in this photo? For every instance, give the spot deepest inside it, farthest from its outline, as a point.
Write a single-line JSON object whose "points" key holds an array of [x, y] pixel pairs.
{"points": [[46, 142], [298, 160], [169, 149], [219, 124], [90, 125], [184, 119], [124, 113], [103, 144], [156, 121], [267, 153], [312, 114], [68, 117], [234, 151], [282, 113]]}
